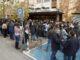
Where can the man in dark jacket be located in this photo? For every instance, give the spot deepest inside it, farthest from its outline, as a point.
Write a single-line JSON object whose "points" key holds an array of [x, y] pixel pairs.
{"points": [[55, 43], [71, 47], [33, 32], [11, 30], [50, 32]]}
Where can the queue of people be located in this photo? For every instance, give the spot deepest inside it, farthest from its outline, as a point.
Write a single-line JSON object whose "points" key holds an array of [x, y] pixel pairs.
{"points": [[62, 36]]}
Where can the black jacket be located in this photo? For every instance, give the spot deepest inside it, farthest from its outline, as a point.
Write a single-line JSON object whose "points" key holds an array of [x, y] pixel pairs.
{"points": [[56, 39], [26, 38], [71, 47], [33, 29]]}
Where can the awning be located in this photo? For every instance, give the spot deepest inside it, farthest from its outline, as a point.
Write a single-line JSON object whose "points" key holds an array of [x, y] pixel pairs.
{"points": [[46, 10]]}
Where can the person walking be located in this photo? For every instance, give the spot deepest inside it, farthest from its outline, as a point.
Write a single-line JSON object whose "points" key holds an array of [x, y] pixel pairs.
{"points": [[17, 32]]}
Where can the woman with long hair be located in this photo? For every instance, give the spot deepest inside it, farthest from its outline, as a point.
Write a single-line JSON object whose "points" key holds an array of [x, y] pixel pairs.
{"points": [[17, 31]]}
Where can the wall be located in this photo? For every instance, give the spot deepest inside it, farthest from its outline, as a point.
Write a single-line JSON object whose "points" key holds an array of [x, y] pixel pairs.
{"points": [[54, 4], [69, 7]]}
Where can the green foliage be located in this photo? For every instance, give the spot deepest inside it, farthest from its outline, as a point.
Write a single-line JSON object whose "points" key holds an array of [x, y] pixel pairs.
{"points": [[15, 16], [1, 10], [26, 15]]}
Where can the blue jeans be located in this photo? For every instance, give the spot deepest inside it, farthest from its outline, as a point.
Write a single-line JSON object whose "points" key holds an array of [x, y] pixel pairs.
{"points": [[33, 37], [48, 44], [24, 46], [79, 38], [74, 57], [53, 55], [11, 35], [45, 34], [62, 45], [17, 38], [17, 41], [67, 57]]}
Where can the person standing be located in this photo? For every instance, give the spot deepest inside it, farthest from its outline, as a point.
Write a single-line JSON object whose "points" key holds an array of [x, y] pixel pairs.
{"points": [[11, 30], [4, 29], [0, 27], [64, 37], [71, 46], [49, 38], [79, 33], [26, 38], [45, 28], [55, 43], [30, 24], [17, 32], [33, 32]]}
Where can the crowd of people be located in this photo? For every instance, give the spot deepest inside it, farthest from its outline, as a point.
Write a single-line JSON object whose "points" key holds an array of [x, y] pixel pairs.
{"points": [[63, 36]]}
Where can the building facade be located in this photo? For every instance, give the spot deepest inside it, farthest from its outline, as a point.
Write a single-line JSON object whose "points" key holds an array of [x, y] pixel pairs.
{"points": [[34, 4], [44, 9], [71, 9]]}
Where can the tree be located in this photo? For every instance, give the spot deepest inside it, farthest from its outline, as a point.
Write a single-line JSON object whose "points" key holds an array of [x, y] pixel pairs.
{"points": [[26, 15], [1, 10], [15, 16]]}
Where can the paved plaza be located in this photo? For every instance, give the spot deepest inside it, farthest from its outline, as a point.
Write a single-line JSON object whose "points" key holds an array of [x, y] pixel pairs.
{"points": [[40, 54], [8, 52], [37, 52]]}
